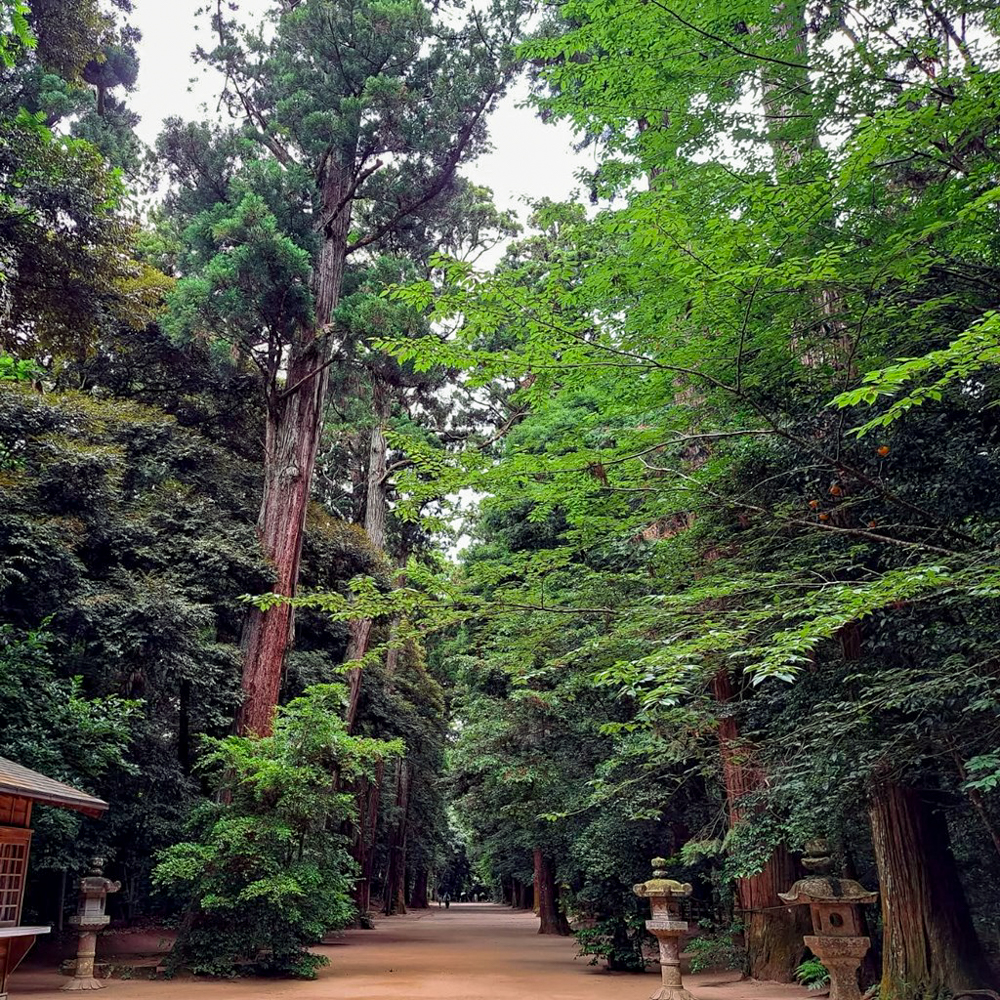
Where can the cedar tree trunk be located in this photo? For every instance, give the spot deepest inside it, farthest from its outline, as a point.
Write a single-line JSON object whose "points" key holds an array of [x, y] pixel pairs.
{"points": [[376, 511], [369, 795], [418, 896], [929, 945], [550, 919], [294, 424], [773, 931], [395, 883]]}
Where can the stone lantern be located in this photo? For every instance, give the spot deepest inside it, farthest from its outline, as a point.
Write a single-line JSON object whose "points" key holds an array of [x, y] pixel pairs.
{"points": [[90, 918], [837, 940], [664, 895]]}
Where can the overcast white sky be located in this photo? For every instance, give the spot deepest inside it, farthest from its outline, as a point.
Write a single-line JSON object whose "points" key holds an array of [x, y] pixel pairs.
{"points": [[530, 160]]}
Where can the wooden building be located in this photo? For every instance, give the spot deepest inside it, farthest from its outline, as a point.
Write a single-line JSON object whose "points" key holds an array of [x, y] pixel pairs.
{"points": [[20, 789]]}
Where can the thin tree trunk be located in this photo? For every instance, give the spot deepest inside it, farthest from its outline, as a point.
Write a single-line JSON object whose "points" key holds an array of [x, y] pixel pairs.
{"points": [[975, 798], [368, 799], [394, 879], [528, 898], [400, 906], [523, 899], [376, 513], [294, 423], [550, 919], [184, 728], [929, 945], [773, 931], [418, 897], [786, 93]]}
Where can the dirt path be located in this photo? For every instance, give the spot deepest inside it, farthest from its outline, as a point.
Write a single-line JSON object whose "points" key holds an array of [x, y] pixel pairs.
{"points": [[470, 952]]}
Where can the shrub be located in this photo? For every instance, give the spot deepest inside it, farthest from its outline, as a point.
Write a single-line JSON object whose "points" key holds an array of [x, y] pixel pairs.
{"points": [[266, 872], [714, 952], [619, 939]]}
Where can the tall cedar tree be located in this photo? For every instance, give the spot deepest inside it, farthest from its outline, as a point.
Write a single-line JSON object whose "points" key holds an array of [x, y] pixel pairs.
{"points": [[354, 120]]}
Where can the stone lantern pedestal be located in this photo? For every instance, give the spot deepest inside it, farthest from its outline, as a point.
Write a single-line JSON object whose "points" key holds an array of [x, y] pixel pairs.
{"points": [[90, 918], [664, 895], [837, 939]]}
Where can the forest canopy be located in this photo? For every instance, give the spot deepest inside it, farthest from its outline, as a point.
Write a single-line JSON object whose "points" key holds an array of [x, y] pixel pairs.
{"points": [[361, 541]]}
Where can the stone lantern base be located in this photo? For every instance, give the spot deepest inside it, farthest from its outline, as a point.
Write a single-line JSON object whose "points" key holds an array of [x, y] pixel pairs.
{"points": [[669, 934], [83, 974], [671, 993], [842, 957]]}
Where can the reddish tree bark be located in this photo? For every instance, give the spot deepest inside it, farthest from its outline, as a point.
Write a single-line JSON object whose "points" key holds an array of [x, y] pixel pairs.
{"points": [[773, 931], [294, 423], [929, 945], [295, 408], [551, 920]]}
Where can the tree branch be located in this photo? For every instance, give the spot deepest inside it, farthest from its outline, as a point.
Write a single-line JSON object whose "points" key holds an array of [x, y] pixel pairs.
{"points": [[291, 390], [443, 177]]}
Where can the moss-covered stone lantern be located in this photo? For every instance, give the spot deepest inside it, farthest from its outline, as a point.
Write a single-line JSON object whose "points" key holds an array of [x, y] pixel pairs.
{"points": [[665, 895], [838, 938]]}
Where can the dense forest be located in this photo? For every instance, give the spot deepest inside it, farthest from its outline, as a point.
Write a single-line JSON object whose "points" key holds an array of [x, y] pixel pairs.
{"points": [[362, 543]]}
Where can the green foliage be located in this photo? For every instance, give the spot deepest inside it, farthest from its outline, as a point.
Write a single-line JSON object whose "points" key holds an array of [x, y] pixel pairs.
{"points": [[70, 264], [713, 952], [986, 773], [70, 267], [813, 974], [18, 369], [15, 31], [266, 874], [680, 542], [619, 943], [134, 538], [963, 359], [255, 275], [69, 32], [378, 141], [48, 723], [674, 511], [132, 529]]}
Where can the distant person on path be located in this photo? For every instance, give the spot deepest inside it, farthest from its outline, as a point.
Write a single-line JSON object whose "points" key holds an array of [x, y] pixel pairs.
{"points": [[447, 900]]}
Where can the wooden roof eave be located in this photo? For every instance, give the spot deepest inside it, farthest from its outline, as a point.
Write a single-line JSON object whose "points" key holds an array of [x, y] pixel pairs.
{"points": [[21, 782]]}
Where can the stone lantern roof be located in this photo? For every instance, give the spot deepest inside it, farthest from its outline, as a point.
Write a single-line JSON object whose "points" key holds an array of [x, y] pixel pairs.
{"points": [[828, 889], [660, 885]]}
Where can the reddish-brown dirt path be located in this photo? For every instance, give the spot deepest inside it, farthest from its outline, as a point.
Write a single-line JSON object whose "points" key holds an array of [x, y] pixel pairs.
{"points": [[470, 952]]}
